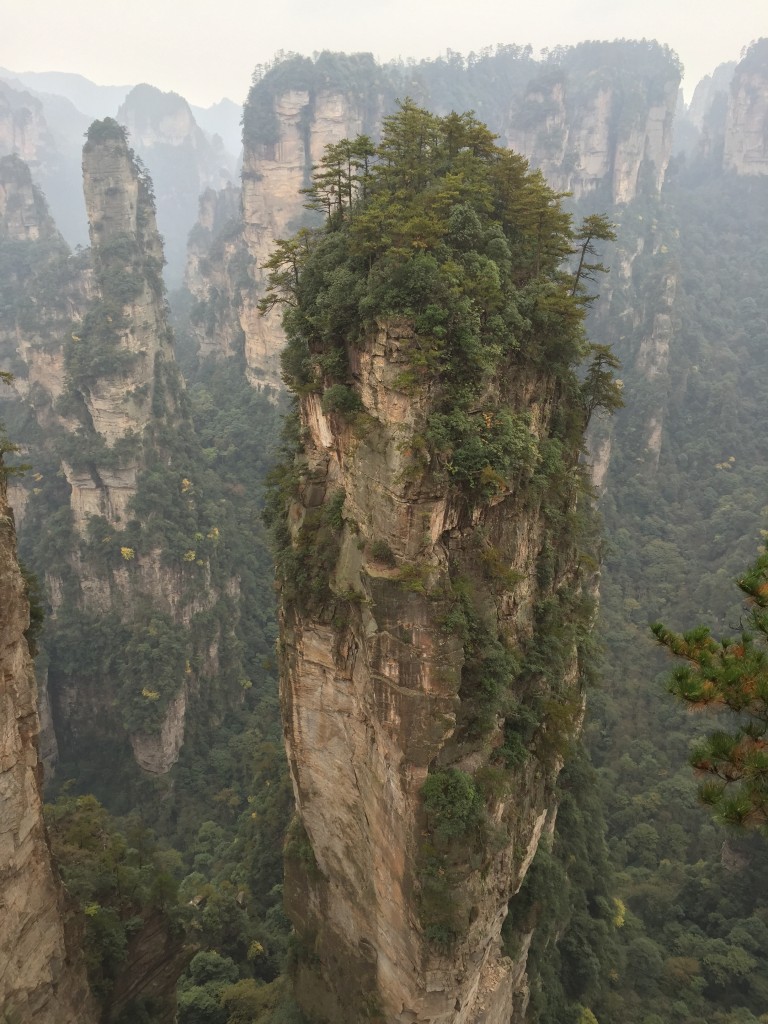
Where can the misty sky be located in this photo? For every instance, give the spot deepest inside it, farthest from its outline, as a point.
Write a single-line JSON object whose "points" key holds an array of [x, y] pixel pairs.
{"points": [[206, 49]]}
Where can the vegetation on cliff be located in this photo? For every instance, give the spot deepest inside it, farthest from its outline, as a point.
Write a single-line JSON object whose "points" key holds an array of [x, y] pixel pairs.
{"points": [[201, 619], [126, 889], [689, 944], [439, 225], [683, 509], [455, 240]]}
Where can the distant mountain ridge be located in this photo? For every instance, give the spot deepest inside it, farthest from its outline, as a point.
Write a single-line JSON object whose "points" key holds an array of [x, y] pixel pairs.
{"points": [[97, 101], [89, 97]]}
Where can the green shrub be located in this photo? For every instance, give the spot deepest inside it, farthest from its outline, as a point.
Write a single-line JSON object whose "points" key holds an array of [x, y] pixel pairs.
{"points": [[333, 510], [342, 400], [381, 552], [453, 804]]}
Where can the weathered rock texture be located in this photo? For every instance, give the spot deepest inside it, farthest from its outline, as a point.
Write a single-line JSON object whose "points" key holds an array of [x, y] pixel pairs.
{"points": [[42, 977], [23, 128], [274, 172], [746, 129], [588, 134], [125, 242], [24, 216], [93, 357], [377, 694], [44, 289], [217, 273]]}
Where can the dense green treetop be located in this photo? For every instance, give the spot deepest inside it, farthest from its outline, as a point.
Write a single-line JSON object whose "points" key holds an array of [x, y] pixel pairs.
{"points": [[441, 226], [107, 130]]}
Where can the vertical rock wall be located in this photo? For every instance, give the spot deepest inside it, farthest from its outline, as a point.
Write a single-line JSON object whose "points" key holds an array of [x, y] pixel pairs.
{"points": [[273, 175], [746, 129], [90, 346], [42, 977], [593, 140], [377, 695]]}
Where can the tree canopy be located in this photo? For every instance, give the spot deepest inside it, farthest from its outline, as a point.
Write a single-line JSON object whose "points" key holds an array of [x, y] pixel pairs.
{"points": [[730, 677], [442, 226]]}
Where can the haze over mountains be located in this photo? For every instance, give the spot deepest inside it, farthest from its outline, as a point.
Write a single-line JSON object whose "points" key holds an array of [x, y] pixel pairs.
{"points": [[430, 522], [45, 116]]}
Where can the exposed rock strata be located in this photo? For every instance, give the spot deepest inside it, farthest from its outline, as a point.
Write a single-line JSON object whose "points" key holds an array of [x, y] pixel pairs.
{"points": [[746, 129], [596, 138], [118, 402], [373, 701], [216, 274], [42, 978], [273, 175], [93, 357]]}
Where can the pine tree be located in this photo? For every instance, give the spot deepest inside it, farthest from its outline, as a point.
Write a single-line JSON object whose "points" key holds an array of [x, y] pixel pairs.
{"points": [[595, 227], [730, 677]]}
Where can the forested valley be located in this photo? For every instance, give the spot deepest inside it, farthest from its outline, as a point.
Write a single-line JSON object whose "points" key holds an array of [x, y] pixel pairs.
{"points": [[158, 469]]}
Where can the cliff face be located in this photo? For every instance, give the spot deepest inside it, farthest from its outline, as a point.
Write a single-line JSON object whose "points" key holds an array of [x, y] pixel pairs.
{"points": [[746, 129], [117, 470], [597, 119], [273, 174], [47, 132], [23, 128], [126, 244], [592, 134], [23, 213], [375, 696], [217, 274], [181, 160], [433, 597], [43, 978], [44, 288], [647, 303], [124, 389], [707, 93]]}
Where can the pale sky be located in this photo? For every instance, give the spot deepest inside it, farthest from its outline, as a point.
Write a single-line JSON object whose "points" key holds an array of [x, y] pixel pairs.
{"points": [[205, 49]]}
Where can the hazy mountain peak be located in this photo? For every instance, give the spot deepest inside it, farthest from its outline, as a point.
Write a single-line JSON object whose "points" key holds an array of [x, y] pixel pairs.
{"points": [[89, 97]]}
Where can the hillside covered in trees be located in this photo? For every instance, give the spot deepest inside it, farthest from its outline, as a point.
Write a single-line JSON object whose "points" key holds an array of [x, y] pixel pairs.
{"points": [[151, 429]]}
